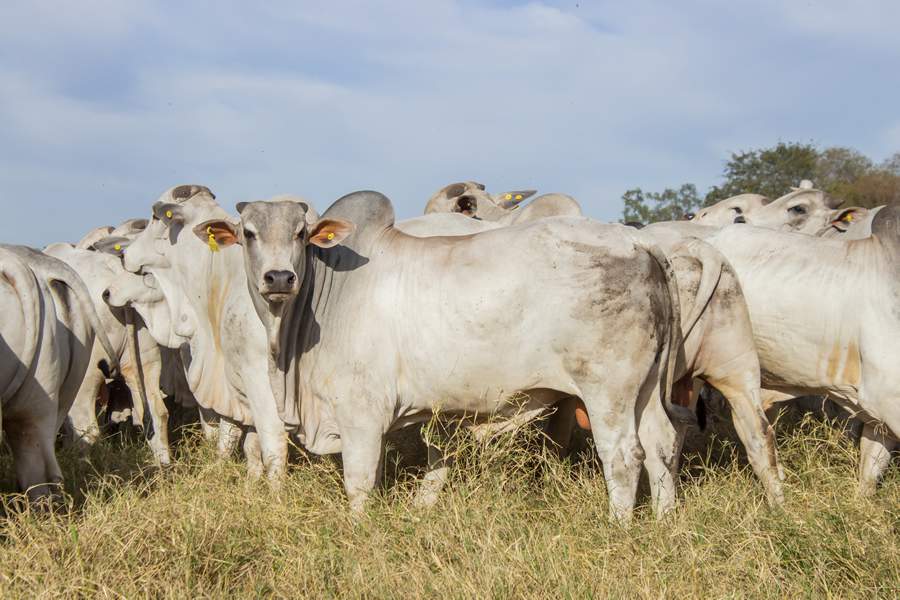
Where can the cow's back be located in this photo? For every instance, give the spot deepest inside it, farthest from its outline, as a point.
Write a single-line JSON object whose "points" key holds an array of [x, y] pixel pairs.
{"points": [[476, 317]]}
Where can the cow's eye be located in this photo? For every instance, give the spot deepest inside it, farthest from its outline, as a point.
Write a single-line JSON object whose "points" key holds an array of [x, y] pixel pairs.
{"points": [[798, 210], [249, 235], [737, 210]]}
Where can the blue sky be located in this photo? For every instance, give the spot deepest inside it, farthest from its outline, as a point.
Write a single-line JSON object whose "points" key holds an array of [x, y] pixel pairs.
{"points": [[104, 104]]}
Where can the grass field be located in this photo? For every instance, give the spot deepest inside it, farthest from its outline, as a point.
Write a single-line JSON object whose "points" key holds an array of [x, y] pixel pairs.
{"points": [[514, 523]]}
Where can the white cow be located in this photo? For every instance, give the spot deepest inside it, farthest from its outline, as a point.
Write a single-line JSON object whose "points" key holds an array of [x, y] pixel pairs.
{"points": [[725, 211], [718, 348], [137, 352], [470, 199], [845, 348], [804, 210], [46, 331], [375, 329], [209, 315]]}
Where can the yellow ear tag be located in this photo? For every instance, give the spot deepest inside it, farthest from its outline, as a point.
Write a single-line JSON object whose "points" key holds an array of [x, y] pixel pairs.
{"points": [[848, 217], [330, 236], [212, 243], [168, 214], [117, 247], [509, 196], [518, 196]]}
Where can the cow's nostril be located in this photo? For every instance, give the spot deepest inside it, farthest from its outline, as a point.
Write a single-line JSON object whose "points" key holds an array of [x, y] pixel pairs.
{"points": [[740, 219], [106, 295], [280, 282]]}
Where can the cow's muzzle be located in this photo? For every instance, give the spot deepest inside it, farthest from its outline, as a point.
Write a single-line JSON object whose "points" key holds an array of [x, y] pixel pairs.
{"points": [[278, 286]]}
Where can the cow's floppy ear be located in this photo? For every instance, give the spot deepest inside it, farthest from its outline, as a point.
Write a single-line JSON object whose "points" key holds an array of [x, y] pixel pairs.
{"points": [[832, 201], [454, 189], [217, 234], [112, 245], [843, 218], [511, 199], [168, 212], [135, 225], [327, 233]]}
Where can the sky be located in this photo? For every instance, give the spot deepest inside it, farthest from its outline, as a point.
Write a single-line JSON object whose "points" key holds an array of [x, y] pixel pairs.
{"points": [[104, 104]]}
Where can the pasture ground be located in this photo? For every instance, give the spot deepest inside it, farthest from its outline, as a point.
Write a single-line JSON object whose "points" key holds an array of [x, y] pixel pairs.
{"points": [[515, 522]]}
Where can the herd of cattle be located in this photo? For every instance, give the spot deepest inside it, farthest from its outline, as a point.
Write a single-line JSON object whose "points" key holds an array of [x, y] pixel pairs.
{"points": [[336, 329]]}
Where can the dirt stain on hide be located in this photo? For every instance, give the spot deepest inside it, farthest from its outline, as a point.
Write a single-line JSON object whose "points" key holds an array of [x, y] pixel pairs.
{"points": [[852, 364], [605, 282], [214, 306], [850, 360]]}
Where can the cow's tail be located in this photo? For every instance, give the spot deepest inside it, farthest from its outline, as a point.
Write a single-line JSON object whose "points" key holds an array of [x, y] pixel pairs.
{"points": [[711, 262], [667, 379], [17, 273], [68, 277]]}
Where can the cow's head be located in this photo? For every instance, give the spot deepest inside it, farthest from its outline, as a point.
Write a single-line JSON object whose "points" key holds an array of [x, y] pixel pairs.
{"points": [[804, 210], [150, 240], [130, 228], [275, 236], [469, 198], [144, 295], [731, 210]]}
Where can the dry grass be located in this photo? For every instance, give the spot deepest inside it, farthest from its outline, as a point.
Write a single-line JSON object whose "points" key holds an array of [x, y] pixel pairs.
{"points": [[514, 523]]}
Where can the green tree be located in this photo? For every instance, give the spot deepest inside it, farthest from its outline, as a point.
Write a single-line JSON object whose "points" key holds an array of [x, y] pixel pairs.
{"points": [[668, 205], [875, 188], [768, 171], [892, 164], [839, 167], [851, 176], [842, 172]]}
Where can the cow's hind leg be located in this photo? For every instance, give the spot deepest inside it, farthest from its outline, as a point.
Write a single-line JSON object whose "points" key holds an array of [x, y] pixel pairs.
{"points": [[739, 386], [875, 448], [561, 425], [37, 472], [612, 413], [82, 416], [662, 442]]}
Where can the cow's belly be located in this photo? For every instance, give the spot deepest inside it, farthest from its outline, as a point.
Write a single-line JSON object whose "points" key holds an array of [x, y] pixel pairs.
{"points": [[792, 358]]}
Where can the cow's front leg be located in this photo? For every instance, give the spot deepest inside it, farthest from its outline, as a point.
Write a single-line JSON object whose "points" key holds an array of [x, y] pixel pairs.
{"points": [[229, 437], [253, 454], [875, 447], [363, 449], [209, 424], [435, 478]]}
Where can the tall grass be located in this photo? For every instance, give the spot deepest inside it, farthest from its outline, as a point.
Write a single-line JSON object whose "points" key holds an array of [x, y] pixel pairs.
{"points": [[514, 522]]}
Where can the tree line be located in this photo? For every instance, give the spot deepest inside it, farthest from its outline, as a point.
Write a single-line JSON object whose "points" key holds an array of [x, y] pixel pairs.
{"points": [[842, 172]]}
